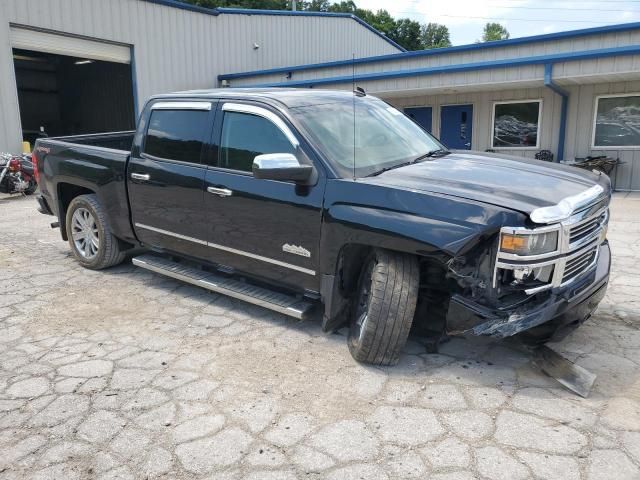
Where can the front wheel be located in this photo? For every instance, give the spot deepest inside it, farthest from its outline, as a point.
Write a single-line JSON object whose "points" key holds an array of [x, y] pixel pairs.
{"points": [[90, 237], [384, 309]]}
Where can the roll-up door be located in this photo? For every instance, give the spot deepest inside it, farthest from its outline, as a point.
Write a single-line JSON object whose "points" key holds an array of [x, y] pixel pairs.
{"points": [[38, 41]]}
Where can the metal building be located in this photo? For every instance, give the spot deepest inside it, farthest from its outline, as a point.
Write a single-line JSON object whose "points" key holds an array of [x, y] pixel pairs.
{"points": [[574, 93], [82, 66]]}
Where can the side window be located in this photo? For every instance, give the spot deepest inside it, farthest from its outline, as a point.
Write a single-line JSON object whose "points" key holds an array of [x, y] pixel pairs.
{"points": [[244, 136], [177, 134]]}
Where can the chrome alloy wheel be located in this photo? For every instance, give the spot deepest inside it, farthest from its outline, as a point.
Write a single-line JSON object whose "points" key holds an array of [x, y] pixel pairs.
{"points": [[85, 233]]}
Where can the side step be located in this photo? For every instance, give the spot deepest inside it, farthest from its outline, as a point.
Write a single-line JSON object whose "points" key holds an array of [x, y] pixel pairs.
{"points": [[279, 302]]}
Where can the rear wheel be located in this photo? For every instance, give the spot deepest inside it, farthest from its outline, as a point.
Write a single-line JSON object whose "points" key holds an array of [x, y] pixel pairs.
{"points": [[384, 309], [90, 237]]}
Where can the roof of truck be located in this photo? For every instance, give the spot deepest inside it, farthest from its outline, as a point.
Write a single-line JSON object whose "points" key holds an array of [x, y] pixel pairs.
{"points": [[289, 97]]}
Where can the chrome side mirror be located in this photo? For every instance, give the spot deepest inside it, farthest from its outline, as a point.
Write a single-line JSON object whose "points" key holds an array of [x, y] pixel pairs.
{"points": [[281, 166]]}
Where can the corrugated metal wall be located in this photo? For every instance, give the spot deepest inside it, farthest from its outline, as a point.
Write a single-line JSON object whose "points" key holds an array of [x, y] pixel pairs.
{"points": [[599, 41], [176, 49], [580, 131], [584, 80]]}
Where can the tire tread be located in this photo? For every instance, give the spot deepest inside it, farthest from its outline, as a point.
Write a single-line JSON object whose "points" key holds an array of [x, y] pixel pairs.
{"points": [[394, 294]]}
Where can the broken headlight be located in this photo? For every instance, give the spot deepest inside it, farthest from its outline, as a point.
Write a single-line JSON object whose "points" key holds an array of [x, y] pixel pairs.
{"points": [[528, 276], [528, 244], [526, 258]]}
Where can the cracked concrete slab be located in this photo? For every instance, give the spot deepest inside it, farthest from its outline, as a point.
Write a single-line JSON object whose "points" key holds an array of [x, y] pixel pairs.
{"points": [[127, 374]]}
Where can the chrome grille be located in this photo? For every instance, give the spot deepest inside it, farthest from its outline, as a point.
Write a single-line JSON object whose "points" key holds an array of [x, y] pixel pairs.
{"points": [[588, 229], [578, 264]]}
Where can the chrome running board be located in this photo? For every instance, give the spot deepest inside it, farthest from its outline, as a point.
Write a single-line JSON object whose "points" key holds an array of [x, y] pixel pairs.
{"points": [[279, 302]]}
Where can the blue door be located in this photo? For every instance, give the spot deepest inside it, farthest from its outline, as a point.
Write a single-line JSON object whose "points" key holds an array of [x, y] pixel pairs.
{"points": [[456, 126], [421, 115]]}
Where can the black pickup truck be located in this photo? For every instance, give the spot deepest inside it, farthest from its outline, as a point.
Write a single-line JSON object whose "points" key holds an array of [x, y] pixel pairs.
{"points": [[301, 200]]}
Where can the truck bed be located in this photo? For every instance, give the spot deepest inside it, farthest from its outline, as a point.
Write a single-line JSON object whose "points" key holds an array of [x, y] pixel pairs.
{"points": [[112, 140], [96, 164]]}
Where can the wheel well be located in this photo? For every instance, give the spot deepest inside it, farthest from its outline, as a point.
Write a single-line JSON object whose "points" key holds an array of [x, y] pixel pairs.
{"points": [[66, 193], [435, 285], [350, 264], [433, 270]]}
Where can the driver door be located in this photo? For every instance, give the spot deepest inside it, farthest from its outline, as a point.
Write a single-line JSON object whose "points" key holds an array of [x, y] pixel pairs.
{"points": [[268, 228]]}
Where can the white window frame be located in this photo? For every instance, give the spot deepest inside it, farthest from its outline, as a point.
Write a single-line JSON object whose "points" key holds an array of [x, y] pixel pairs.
{"points": [[493, 123], [593, 145]]}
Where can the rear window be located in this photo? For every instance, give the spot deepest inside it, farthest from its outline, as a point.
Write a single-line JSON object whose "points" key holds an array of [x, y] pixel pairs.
{"points": [[177, 134]]}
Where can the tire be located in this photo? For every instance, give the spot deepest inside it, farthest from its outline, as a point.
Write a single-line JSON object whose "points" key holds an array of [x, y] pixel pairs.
{"points": [[31, 189], [107, 253], [385, 304]]}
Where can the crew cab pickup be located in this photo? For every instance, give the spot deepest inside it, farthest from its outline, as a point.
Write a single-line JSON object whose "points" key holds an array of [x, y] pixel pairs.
{"points": [[335, 202]]}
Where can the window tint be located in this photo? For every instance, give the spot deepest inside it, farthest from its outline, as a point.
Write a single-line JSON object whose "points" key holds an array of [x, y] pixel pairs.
{"points": [[516, 125], [245, 136], [618, 122], [177, 134]]}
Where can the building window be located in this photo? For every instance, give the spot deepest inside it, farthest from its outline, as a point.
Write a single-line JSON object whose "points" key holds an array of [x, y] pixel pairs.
{"points": [[516, 124], [617, 121]]}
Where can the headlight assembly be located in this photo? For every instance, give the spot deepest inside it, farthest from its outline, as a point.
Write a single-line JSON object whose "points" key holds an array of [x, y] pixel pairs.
{"points": [[533, 260], [529, 244]]}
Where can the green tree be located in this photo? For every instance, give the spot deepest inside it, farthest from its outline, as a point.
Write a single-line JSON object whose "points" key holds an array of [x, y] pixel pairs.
{"points": [[380, 20], [434, 35], [254, 4], [404, 31], [315, 5], [407, 33], [343, 7], [493, 32]]}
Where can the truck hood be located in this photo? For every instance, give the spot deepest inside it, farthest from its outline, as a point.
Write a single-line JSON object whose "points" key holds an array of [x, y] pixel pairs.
{"points": [[511, 182]]}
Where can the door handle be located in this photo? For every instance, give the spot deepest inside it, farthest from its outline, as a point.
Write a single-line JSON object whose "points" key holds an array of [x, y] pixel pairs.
{"points": [[221, 192], [141, 176]]}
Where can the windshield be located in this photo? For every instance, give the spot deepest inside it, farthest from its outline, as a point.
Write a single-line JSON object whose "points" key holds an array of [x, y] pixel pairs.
{"points": [[384, 136]]}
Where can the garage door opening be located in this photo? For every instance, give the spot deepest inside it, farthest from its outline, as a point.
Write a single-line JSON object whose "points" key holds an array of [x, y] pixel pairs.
{"points": [[66, 95]]}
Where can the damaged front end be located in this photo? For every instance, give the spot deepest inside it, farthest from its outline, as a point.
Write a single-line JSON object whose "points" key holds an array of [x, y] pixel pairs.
{"points": [[539, 279]]}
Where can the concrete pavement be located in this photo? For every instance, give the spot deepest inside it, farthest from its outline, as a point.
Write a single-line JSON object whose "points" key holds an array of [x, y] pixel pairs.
{"points": [[127, 374]]}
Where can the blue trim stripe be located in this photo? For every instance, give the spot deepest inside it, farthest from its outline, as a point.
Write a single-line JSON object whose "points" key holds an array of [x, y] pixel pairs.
{"points": [[288, 13], [441, 51], [185, 6], [285, 13], [513, 62]]}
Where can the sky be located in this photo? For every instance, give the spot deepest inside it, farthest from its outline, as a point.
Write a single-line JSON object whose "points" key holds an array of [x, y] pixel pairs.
{"points": [[466, 18]]}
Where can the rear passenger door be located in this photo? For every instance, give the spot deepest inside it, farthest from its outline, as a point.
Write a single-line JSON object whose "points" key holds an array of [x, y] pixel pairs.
{"points": [[166, 175]]}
